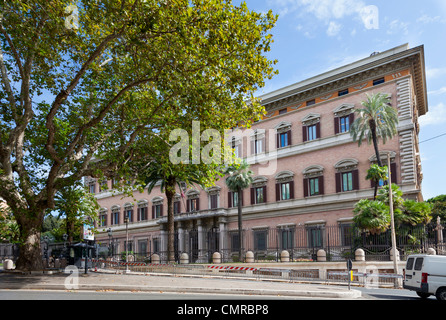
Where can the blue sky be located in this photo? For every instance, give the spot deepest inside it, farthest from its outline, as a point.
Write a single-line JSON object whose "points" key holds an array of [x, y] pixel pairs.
{"points": [[314, 36]]}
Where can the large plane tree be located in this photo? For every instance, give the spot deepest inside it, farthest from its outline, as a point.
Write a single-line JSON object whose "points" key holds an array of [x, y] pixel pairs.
{"points": [[85, 83]]}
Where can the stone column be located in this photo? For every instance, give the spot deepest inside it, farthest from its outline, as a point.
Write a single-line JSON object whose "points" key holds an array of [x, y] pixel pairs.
{"points": [[201, 248], [180, 237]]}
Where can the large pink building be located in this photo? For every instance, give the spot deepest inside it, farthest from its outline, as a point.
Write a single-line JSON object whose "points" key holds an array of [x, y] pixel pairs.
{"points": [[308, 172]]}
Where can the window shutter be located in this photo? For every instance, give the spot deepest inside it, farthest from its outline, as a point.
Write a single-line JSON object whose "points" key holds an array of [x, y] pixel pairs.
{"points": [[355, 176], [253, 146], [338, 182], [161, 210], [304, 133], [351, 119], [264, 195], [393, 173], [253, 199], [188, 205], [291, 189], [289, 137], [198, 204], [229, 199], [336, 125], [277, 140], [277, 191], [305, 188], [321, 185], [153, 212], [318, 130]]}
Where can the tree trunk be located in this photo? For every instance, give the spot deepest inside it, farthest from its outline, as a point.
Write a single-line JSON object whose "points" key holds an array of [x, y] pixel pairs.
{"points": [[30, 252], [372, 125], [240, 230], [170, 194]]}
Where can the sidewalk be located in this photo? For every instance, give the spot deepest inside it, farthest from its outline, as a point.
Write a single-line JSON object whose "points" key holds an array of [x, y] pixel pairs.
{"points": [[150, 283]]}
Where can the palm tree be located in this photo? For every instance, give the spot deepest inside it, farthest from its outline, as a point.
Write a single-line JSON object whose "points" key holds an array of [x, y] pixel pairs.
{"points": [[376, 119], [169, 176], [376, 174], [240, 178]]}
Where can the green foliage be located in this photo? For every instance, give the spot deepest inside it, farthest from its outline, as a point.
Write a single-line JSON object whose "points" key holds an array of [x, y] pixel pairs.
{"points": [[85, 101], [377, 173], [240, 177], [438, 207], [376, 119], [373, 216], [414, 213]]}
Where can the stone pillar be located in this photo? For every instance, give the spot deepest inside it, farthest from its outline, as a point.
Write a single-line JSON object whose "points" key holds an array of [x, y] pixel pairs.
{"points": [[321, 255], [201, 248], [180, 237], [155, 258], [359, 255], [223, 235]]}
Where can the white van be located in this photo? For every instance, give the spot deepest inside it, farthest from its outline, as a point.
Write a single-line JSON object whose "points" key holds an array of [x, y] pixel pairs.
{"points": [[426, 274]]}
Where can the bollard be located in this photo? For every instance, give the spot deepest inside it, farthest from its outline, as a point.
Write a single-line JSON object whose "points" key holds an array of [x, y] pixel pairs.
{"points": [[321, 255], [155, 258], [249, 257], [359, 255], [184, 258], [216, 257], [431, 251], [284, 256], [8, 264]]}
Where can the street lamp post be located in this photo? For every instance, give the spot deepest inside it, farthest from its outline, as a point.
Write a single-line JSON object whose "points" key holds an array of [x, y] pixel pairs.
{"points": [[126, 221], [110, 238], [392, 221]]}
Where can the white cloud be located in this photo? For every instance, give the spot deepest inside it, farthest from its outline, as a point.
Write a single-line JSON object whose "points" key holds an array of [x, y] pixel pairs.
{"points": [[330, 10], [440, 91], [435, 72], [435, 116], [398, 27], [333, 29]]}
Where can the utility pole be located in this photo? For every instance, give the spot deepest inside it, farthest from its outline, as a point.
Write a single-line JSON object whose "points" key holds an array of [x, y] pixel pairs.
{"points": [[392, 222]]}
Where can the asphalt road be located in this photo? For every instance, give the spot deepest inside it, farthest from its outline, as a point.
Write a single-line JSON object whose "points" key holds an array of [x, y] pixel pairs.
{"points": [[367, 294]]}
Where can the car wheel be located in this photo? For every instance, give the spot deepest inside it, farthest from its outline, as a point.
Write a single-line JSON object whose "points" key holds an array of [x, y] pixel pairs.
{"points": [[423, 295], [441, 294]]}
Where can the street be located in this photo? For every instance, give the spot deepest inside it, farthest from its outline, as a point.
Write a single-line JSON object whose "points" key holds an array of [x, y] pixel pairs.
{"points": [[367, 294]]}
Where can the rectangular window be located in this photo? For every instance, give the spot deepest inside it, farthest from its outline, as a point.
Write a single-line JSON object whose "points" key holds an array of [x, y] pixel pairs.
{"points": [[284, 140], [344, 124], [158, 210], [142, 248], [347, 181], [282, 111], [92, 188], [314, 186], [286, 237], [315, 237], [378, 81], [258, 146], [142, 213], [260, 240], [176, 207], [193, 204], [213, 199], [234, 196], [342, 92], [103, 220], [419, 264], [129, 214], [259, 193], [285, 191], [311, 132], [310, 102], [346, 234], [236, 149], [235, 242], [115, 217]]}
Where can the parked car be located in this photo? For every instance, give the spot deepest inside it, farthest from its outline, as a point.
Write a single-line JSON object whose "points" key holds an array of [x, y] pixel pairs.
{"points": [[426, 274]]}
